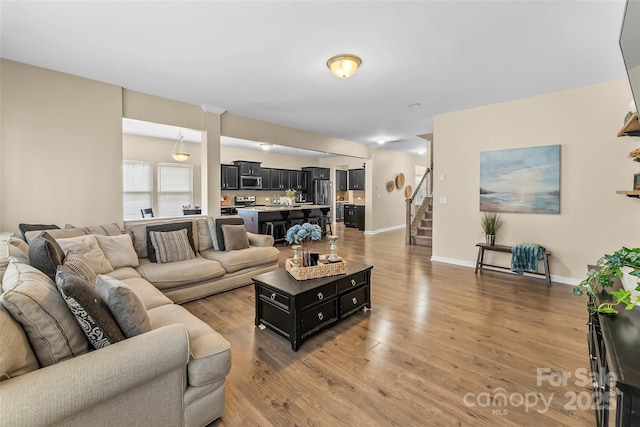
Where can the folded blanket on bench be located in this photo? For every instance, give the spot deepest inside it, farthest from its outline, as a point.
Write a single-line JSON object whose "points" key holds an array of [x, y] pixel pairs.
{"points": [[525, 256]]}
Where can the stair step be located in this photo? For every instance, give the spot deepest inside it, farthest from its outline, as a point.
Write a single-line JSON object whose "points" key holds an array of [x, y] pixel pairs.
{"points": [[426, 222], [424, 231], [427, 215], [422, 240]]}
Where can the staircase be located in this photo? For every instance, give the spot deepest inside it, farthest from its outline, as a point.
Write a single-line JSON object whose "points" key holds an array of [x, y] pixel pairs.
{"points": [[422, 232]]}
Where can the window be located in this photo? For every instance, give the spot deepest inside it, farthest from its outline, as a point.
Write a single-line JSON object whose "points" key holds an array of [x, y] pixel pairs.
{"points": [[137, 191], [175, 188]]}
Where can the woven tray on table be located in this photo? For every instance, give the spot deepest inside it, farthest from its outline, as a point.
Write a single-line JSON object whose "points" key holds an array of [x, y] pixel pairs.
{"points": [[315, 271]]}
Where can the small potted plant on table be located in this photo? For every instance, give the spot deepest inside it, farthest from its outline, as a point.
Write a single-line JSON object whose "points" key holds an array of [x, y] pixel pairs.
{"points": [[491, 222]]}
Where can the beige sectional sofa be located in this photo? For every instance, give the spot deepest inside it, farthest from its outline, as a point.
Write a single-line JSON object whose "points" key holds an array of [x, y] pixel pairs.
{"points": [[172, 375]]}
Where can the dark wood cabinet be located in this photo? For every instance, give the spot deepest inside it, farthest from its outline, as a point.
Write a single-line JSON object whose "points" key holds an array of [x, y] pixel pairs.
{"points": [[356, 179], [318, 173], [354, 216], [614, 352], [280, 179], [297, 309], [265, 174], [299, 180], [341, 180], [228, 177], [248, 168]]}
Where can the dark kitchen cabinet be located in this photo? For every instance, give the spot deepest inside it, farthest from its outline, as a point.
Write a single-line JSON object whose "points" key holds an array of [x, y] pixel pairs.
{"points": [[248, 168], [280, 179], [317, 173], [356, 179], [228, 177], [354, 216], [341, 180], [299, 180], [265, 174]]}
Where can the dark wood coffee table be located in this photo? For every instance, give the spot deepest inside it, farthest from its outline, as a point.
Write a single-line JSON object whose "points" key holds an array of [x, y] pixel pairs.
{"points": [[297, 309]]}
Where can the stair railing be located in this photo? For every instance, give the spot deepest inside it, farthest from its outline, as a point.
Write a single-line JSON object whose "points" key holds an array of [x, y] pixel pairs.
{"points": [[416, 205]]}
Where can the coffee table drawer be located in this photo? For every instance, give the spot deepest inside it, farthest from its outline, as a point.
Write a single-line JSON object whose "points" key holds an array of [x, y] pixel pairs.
{"points": [[277, 298], [352, 281], [275, 317], [316, 295], [353, 301], [318, 316]]}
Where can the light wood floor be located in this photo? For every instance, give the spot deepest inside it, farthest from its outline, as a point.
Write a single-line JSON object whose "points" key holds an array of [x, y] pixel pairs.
{"points": [[441, 346]]}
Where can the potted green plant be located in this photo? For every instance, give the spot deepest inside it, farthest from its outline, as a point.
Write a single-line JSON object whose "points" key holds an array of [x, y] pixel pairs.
{"points": [[624, 264], [491, 222]]}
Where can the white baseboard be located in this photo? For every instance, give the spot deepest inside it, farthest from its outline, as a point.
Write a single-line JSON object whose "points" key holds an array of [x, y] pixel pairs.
{"points": [[554, 278], [384, 230]]}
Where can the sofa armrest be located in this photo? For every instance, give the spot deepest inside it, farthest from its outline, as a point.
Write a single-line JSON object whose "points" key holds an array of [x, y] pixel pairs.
{"points": [[109, 382], [261, 240]]}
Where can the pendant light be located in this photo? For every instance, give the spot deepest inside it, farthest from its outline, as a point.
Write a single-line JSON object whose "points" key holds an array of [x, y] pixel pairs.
{"points": [[344, 65], [179, 153]]}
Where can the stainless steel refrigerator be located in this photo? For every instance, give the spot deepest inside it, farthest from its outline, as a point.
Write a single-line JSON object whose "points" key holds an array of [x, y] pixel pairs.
{"points": [[321, 192]]}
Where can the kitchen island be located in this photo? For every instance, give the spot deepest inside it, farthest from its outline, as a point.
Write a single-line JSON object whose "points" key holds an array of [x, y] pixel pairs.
{"points": [[255, 217]]}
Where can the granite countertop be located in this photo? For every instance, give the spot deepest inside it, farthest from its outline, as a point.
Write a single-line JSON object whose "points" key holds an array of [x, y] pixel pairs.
{"points": [[283, 208]]}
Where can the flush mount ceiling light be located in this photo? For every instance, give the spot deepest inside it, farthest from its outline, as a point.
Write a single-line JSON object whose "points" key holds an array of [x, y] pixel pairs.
{"points": [[266, 146], [179, 153], [344, 65], [381, 141]]}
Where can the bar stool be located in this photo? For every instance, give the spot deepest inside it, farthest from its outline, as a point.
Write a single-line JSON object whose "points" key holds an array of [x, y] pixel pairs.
{"points": [[295, 221], [325, 220], [314, 220], [276, 229]]}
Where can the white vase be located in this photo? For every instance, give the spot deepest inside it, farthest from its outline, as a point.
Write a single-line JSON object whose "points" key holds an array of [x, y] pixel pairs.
{"points": [[630, 283]]}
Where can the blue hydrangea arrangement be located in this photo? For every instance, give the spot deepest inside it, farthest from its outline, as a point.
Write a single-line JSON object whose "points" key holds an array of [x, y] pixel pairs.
{"points": [[300, 233]]}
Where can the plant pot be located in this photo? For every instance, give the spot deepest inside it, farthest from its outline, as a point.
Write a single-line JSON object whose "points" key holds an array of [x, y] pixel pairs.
{"points": [[630, 283], [490, 239]]}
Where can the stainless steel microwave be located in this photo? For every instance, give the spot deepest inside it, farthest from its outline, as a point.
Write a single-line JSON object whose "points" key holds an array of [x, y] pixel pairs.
{"points": [[251, 182]]}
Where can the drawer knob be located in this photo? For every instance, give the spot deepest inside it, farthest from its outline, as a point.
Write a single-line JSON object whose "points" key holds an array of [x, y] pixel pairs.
{"points": [[320, 296], [354, 300], [273, 296], [320, 316], [353, 282]]}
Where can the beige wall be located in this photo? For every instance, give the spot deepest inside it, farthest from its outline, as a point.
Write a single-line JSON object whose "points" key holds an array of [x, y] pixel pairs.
{"points": [[594, 164], [156, 150], [61, 145]]}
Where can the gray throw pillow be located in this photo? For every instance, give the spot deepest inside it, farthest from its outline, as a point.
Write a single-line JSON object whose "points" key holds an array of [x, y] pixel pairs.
{"points": [[24, 228], [219, 237], [93, 315], [235, 237], [171, 246], [45, 254], [168, 227], [125, 305]]}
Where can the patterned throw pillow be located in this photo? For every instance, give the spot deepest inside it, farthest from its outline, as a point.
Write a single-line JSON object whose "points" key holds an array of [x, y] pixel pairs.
{"points": [[79, 265], [172, 226], [171, 246], [125, 305], [91, 313]]}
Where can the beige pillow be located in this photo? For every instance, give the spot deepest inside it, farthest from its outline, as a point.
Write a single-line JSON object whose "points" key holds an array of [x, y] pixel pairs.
{"points": [[56, 233], [235, 237], [33, 300], [112, 229], [17, 357], [88, 247], [171, 246], [118, 250], [79, 265]]}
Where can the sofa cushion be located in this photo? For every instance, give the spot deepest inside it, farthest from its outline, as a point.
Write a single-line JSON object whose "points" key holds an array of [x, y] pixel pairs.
{"points": [[235, 237], [79, 265], [138, 231], [18, 247], [124, 273], [24, 228], [118, 250], [169, 275], [218, 240], [174, 226], [45, 254], [16, 356], [33, 300], [150, 295], [240, 259], [171, 246], [125, 305], [55, 233], [204, 226], [112, 229], [88, 246], [210, 354]]}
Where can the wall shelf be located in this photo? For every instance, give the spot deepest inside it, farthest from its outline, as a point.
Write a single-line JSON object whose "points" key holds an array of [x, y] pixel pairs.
{"points": [[634, 193], [631, 128]]}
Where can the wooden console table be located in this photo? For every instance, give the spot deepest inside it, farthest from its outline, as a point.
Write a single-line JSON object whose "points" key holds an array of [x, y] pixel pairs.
{"points": [[507, 249]]}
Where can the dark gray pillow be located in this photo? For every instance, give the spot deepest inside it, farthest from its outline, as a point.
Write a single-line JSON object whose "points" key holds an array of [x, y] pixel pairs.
{"points": [[45, 254], [93, 315], [35, 227], [168, 227], [219, 234], [125, 305]]}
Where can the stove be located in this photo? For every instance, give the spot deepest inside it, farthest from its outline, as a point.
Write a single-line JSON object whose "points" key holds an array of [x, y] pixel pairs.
{"points": [[245, 201]]}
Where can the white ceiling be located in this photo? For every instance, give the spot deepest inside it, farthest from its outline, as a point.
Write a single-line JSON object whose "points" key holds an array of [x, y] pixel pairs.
{"points": [[266, 59]]}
